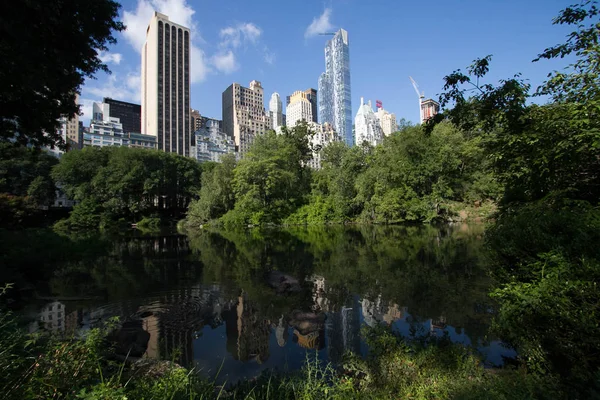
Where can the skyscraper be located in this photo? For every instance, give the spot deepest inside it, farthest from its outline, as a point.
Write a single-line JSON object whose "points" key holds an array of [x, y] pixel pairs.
{"points": [[129, 114], [387, 121], [429, 109], [275, 110], [299, 108], [311, 95], [71, 126], [335, 104], [166, 85], [367, 126], [196, 120], [244, 115]]}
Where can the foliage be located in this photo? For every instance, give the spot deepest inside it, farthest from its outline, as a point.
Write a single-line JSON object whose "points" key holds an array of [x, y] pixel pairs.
{"points": [[17, 211], [579, 83], [554, 320], [267, 185], [551, 224], [113, 183], [270, 182], [435, 368], [149, 224], [411, 177], [25, 181], [41, 76], [216, 196]]}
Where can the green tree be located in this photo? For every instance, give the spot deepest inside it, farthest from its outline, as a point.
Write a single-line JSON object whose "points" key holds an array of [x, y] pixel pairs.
{"points": [[216, 194], [113, 183], [272, 180], [26, 172], [47, 54], [25, 184]]}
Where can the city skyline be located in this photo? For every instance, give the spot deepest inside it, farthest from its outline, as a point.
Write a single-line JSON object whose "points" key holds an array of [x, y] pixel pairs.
{"points": [[245, 42]]}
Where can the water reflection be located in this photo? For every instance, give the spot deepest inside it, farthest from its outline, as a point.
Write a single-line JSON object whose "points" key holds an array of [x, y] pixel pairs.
{"points": [[240, 302]]}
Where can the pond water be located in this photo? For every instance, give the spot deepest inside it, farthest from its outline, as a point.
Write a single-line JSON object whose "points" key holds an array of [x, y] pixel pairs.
{"points": [[233, 304]]}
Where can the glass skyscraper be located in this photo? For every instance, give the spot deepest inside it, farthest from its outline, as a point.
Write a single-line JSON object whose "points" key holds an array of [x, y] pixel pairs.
{"points": [[335, 104]]}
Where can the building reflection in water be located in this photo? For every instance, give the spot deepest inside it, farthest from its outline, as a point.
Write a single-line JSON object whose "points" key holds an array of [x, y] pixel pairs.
{"points": [[172, 321], [378, 311], [247, 333]]}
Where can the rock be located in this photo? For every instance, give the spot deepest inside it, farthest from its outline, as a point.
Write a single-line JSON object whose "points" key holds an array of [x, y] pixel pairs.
{"points": [[130, 339], [283, 283], [151, 368], [306, 322]]}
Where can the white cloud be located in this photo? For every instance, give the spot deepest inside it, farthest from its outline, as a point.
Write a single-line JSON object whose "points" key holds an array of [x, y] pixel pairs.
{"points": [[225, 62], [107, 57], [117, 87], [86, 108], [178, 11], [199, 68], [234, 37], [137, 21], [245, 32], [251, 32], [320, 24], [269, 56]]}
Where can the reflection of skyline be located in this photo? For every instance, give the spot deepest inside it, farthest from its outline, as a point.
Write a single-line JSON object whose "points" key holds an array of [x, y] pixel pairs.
{"points": [[247, 333], [378, 311], [174, 320]]}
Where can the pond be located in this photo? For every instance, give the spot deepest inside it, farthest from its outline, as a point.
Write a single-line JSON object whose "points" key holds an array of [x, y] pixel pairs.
{"points": [[232, 304]]}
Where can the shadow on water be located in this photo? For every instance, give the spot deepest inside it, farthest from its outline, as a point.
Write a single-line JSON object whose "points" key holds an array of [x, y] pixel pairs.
{"points": [[237, 303]]}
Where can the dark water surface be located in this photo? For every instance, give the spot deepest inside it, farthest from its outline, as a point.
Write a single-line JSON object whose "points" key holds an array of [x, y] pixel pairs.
{"points": [[236, 303]]}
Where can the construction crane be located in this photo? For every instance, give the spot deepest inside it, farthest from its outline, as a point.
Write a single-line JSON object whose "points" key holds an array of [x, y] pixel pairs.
{"points": [[327, 34], [421, 96]]}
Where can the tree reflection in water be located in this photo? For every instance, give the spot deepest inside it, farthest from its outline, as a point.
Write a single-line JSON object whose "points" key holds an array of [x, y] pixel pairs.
{"points": [[241, 296]]}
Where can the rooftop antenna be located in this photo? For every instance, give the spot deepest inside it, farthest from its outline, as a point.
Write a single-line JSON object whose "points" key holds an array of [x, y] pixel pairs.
{"points": [[421, 97]]}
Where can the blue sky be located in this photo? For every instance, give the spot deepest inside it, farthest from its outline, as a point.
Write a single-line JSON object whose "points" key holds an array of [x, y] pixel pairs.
{"points": [[272, 41]]}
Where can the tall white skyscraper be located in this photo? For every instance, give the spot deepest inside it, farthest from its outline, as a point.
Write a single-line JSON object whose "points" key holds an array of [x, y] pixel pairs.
{"points": [[299, 109], [166, 85], [276, 110], [367, 127], [335, 97]]}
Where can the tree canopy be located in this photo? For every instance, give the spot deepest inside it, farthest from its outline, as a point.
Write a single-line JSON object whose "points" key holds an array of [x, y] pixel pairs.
{"points": [[110, 183]]}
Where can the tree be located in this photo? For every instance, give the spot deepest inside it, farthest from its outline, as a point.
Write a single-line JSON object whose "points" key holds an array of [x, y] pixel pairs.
{"points": [[538, 150], [119, 182], [26, 172], [272, 180], [47, 52], [216, 194]]}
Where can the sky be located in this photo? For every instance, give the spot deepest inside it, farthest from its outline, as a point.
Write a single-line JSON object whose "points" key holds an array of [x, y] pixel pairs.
{"points": [[277, 42]]}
